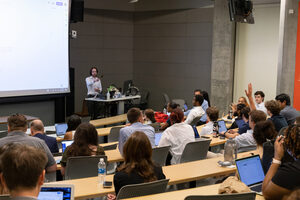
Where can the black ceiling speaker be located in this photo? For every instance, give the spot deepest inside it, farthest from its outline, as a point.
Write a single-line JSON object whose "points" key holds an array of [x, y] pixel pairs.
{"points": [[77, 10]]}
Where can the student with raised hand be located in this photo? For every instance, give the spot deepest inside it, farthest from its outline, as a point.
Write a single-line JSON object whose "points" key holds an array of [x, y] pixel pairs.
{"points": [[287, 111], [23, 171], [273, 109], [177, 135], [259, 99], [281, 179], [197, 110], [138, 166], [212, 116], [85, 144]]}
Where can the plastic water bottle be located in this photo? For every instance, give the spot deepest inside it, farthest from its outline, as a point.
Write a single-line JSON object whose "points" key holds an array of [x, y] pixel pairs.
{"points": [[107, 95], [216, 129], [230, 151], [165, 111], [101, 171]]}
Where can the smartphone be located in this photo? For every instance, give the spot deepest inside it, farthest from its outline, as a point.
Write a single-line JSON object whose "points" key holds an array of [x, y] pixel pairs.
{"points": [[107, 184]]}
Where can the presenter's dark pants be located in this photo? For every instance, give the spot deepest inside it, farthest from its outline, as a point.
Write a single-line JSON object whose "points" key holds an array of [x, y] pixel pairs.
{"points": [[93, 108]]}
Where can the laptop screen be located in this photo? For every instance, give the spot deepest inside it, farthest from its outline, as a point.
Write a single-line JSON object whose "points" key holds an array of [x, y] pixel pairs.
{"points": [[65, 144], [250, 170], [222, 126], [56, 193], [61, 129]]}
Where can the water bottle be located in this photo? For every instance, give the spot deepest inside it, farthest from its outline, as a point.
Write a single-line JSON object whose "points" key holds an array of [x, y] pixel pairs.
{"points": [[230, 151], [230, 114], [216, 129], [165, 111], [107, 95], [101, 171]]}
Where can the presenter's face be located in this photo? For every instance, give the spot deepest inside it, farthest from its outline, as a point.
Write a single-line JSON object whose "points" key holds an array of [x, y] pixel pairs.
{"points": [[94, 72]]}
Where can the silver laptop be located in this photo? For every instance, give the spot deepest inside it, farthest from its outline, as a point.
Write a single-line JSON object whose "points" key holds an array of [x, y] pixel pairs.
{"points": [[56, 192], [61, 129], [251, 172]]}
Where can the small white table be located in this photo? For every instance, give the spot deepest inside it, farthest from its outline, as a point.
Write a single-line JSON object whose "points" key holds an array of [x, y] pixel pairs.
{"points": [[120, 101]]}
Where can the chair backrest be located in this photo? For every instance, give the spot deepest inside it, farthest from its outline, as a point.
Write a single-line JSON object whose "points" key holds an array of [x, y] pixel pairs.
{"points": [[110, 147], [235, 196], [3, 134], [166, 98], [195, 150], [159, 155], [180, 102], [142, 189], [156, 126], [114, 134], [195, 121], [82, 166], [5, 197]]}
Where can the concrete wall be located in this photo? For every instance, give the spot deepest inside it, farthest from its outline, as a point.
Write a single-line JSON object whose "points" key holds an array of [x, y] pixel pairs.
{"points": [[172, 53], [257, 52], [105, 40]]}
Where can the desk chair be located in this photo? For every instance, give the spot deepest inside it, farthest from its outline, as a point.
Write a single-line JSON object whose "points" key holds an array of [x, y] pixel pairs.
{"points": [[82, 166], [114, 134], [110, 147], [3, 134], [166, 99], [195, 121], [180, 102], [195, 150], [142, 189], [159, 155], [236, 196]]}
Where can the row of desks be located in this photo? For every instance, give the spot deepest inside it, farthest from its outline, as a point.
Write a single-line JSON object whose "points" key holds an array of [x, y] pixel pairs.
{"points": [[191, 171]]}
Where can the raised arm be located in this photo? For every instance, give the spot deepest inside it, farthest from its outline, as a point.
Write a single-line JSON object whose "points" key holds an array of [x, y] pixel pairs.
{"points": [[250, 97]]}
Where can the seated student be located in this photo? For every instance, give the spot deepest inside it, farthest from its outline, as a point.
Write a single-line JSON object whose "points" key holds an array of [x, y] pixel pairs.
{"points": [[287, 111], [149, 116], [197, 110], [244, 101], [23, 173], [204, 105], [212, 116], [17, 126], [138, 166], [246, 142], [281, 179], [135, 118], [259, 99], [85, 144], [177, 135], [37, 130], [273, 110], [73, 122], [170, 107], [238, 116], [243, 127]]}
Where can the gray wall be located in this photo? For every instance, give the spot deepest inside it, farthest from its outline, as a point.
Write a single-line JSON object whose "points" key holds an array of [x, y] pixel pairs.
{"points": [[105, 40], [172, 53]]}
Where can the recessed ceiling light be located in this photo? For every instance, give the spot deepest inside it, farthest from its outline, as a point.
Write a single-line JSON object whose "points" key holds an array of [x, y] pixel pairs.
{"points": [[133, 1]]}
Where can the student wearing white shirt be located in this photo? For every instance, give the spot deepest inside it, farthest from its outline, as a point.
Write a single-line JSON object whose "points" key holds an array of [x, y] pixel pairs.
{"points": [[177, 135], [197, 110], [259, 101], [212, 116], [94, 87]]}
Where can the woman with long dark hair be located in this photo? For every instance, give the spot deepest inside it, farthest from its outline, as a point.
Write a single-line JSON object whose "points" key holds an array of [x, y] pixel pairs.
{"points": [[85, 144], [138, 166]]}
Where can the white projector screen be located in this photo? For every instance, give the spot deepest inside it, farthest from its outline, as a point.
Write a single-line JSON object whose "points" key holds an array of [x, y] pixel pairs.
{"points": [[34, 47]]}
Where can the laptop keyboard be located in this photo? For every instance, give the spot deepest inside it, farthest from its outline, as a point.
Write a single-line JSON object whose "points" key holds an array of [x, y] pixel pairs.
{"points": [[257, 188]]}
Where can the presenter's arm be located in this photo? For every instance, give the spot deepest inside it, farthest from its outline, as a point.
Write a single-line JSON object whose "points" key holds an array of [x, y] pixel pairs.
{"points": [[89, 81]]}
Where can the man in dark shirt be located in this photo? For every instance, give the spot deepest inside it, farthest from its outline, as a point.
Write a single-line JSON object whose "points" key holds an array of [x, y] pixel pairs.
{"points": [[287, 111], [273, 110], [37, 130]]}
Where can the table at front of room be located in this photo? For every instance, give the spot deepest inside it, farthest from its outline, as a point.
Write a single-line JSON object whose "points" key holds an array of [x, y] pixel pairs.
{"points": [[120, 101]]}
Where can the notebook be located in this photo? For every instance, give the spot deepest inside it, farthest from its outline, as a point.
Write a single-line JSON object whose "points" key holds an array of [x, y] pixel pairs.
{"points": [[251, 172], [56, 192], [61, 129], [65, 144]]}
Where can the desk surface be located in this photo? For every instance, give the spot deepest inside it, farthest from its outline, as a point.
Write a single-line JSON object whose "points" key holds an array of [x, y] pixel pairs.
{"points": [[3, 119], [181, 194], [114, 99], [109, 120], [88, 187]]}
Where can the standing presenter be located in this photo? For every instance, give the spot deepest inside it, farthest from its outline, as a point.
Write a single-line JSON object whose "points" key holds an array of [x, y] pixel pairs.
{"points": [[94, 87]]}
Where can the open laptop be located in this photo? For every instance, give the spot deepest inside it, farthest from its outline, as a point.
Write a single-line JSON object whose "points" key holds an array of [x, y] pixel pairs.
{"points": [[251, 172], [222, 126], [61, 129], [65, 144], [56, 192]]}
